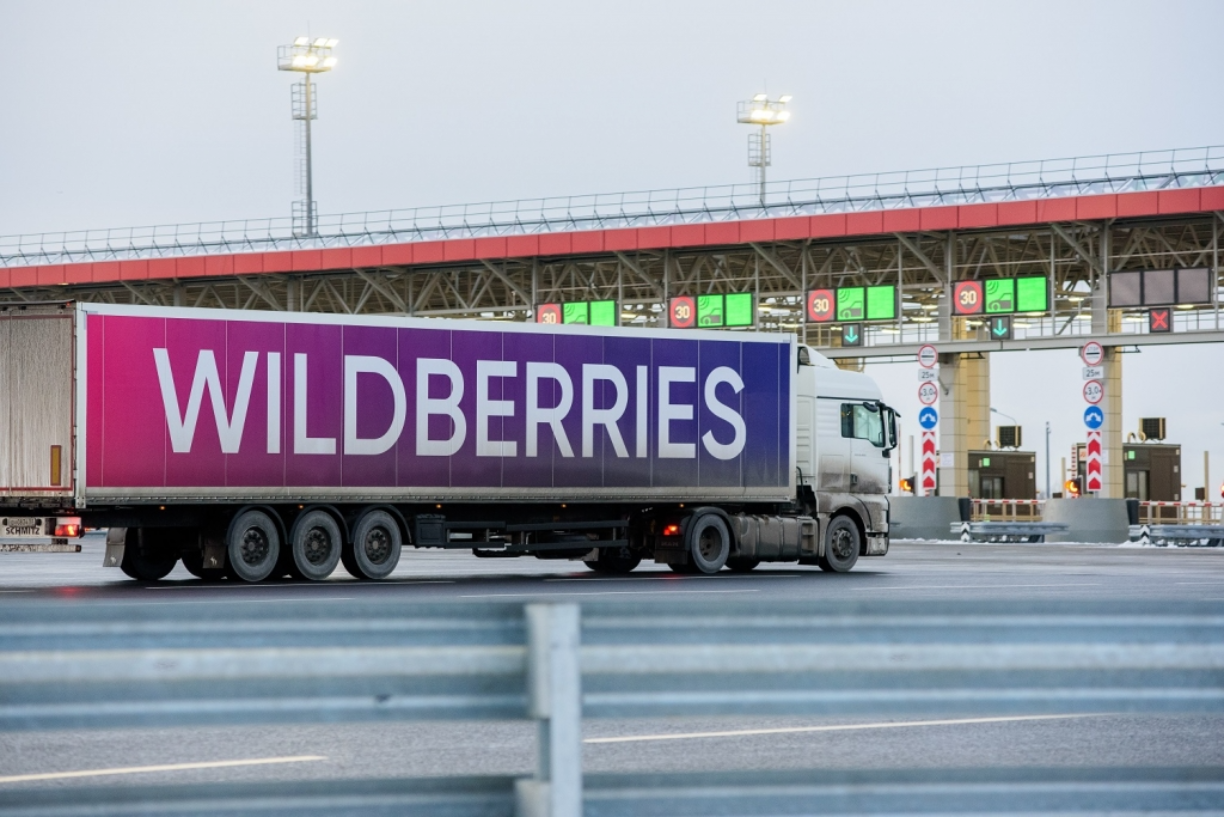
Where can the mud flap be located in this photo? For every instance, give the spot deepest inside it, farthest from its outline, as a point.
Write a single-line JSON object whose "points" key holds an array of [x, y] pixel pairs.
{"points": [[115, 540]]}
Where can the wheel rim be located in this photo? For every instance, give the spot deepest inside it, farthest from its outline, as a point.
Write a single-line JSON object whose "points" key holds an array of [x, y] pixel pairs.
{"points": [[255, 546], [377, 546], [317, 546], [709, 544], [842, 546]]}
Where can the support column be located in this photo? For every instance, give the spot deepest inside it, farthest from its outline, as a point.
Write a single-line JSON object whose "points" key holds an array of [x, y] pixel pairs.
{"points": [[1112, 480], [964, 417]]}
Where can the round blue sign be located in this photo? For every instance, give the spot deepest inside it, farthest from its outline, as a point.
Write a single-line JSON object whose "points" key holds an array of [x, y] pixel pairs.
{"points": [[1094, 418], [928, 418]]}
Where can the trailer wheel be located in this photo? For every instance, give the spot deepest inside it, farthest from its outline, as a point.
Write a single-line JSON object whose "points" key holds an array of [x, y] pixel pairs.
{"points": [[315, 542], [145, 556], [709, 543], [739, 564], [842, 545], [252, 546], [375, 549]]}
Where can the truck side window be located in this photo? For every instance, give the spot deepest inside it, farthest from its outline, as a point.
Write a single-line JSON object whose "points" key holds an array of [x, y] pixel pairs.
{"points": [[847, 419], [862, 423]]}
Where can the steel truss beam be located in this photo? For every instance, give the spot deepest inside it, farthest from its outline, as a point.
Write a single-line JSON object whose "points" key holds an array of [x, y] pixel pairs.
{"points": [[777, 273]]}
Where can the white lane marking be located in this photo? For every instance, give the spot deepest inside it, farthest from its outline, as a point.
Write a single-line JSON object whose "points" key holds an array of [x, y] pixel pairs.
{"points": [[236, 586], [977, 586], [168, 767], [16, 591], [838, 728], [606, 593], [231, 601], [664, 577]]}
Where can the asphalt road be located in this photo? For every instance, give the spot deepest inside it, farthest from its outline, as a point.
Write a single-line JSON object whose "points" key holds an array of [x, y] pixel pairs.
{"points": [[912, 571]]}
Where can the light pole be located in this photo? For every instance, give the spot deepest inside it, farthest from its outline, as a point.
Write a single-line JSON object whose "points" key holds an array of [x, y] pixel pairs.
{"points": [[763, 112], [306, 56]]}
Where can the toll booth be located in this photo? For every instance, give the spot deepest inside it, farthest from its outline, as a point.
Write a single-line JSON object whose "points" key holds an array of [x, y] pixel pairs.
{"points": [[1002, 475], [1152, 471]]}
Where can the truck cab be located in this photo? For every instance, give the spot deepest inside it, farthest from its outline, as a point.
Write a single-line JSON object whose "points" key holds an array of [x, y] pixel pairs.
{"points": [[844, 436]]}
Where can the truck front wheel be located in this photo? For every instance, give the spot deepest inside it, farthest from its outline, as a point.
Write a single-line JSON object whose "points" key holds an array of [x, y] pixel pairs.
{"points": [[316, 543], [253, 546], [147, 556], [842, 545], [709, 543], [375, 549]]}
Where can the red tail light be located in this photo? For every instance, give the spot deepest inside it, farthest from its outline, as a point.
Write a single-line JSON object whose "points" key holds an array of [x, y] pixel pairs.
{"points": [[671, 530], [69, 526]]}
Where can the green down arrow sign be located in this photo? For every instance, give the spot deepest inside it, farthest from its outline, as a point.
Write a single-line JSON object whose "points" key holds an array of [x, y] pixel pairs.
{"points": [[1000, 328], [852, 334]]}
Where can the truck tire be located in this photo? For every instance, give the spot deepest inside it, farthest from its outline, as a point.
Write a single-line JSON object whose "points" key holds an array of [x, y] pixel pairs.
{"points": [[709, 543], [375, 549], [252, 546], [739, 564], [147, 556], [315, 543], [842, 545], [615, 561]]}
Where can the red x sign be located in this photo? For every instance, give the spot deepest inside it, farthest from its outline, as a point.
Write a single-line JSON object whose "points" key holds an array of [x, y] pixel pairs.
{"points": [[1159, 321]]}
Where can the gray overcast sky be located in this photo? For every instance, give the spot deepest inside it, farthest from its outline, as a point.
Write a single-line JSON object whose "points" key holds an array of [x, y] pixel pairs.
{"points": [[125, 113]]}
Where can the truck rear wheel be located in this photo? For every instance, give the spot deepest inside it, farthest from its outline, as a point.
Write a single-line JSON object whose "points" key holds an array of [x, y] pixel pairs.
{"points": [[375, 549], [316, 543], [252, 546], [740, 564], [842, 545], [147, 556], [616, 561], [709, 543]]}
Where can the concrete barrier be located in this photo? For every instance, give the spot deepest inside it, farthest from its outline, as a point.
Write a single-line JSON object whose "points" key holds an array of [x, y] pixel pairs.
{"points": [[925, 517], [1090, 520]]}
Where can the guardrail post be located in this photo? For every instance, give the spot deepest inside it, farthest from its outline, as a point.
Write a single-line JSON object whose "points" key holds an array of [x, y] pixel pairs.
{"points": [[554, 700]]}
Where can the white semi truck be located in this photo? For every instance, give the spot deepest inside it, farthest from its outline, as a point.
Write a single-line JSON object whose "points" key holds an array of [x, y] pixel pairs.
{"points": [[256, 445]]}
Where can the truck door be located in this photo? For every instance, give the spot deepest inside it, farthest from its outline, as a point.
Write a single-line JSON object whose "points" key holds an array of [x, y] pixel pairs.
{"points": [[869, 448]]}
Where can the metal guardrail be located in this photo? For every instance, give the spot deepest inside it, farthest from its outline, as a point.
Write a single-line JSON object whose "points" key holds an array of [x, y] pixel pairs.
{"points": [[1032, 532], [1013, 181], [62, 667]]}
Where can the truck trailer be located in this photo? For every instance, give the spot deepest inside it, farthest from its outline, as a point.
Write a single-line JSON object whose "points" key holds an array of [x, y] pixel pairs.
{"points": [[256, 445]]}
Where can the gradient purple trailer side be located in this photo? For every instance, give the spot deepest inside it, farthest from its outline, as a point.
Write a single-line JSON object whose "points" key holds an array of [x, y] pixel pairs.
{"points": [[197, 405]]}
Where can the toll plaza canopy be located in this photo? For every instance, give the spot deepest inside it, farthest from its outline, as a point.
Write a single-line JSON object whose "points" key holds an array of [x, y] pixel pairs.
{"points": [[1037, 241]]}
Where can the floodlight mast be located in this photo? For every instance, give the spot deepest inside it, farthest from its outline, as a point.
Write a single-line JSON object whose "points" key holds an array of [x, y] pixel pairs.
{"points": [[762, 111], [306, 56]]}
